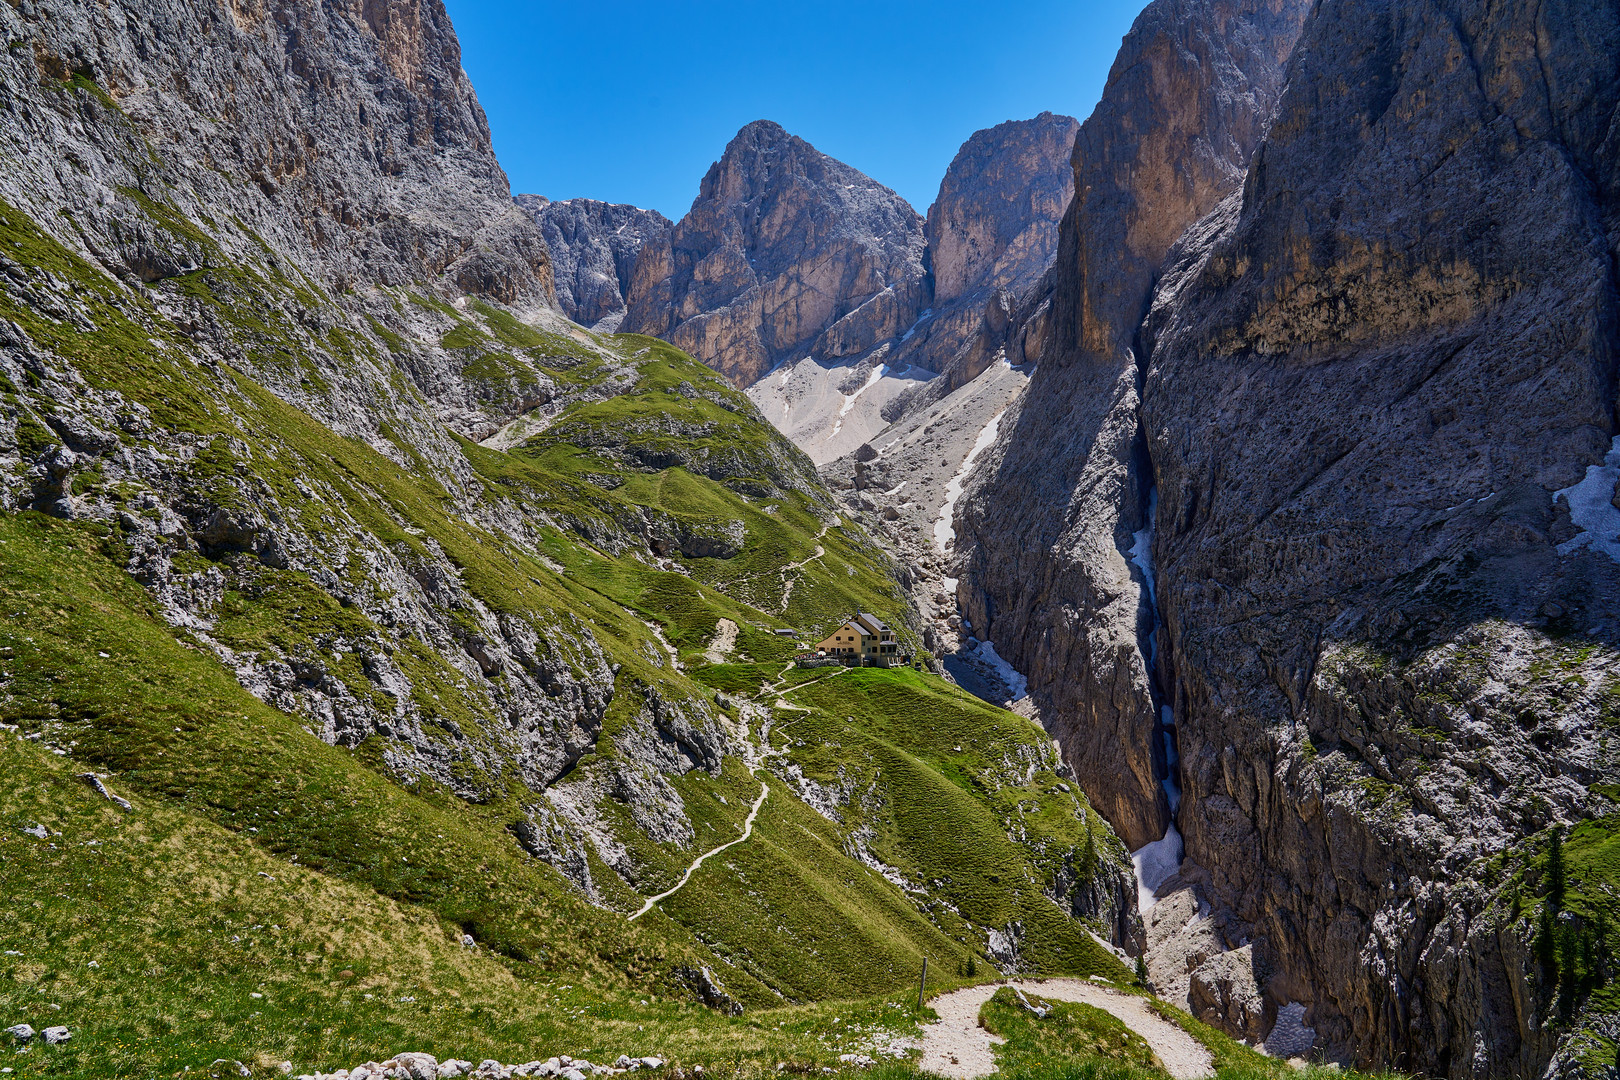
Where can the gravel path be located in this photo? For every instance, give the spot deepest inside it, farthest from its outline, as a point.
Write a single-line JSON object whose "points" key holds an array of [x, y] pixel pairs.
{"points": [[959, 1048]]}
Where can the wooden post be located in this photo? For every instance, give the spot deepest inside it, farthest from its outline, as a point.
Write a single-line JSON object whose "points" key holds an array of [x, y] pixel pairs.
{"points": [[921, 983]]}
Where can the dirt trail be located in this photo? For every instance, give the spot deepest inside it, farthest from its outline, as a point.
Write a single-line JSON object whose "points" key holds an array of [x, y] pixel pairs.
{"points": [[957, 1047], [748, 830], [788, 582], [725, 640]]}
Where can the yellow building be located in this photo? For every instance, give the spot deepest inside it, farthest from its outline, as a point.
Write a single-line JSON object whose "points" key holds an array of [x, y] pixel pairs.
{"points": [[865, 639]]}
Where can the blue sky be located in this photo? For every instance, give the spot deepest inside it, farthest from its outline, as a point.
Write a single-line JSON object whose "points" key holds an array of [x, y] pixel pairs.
{"points": [[631, 102]]}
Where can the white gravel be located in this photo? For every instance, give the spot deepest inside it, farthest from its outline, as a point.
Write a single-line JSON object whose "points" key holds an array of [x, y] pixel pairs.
{"points": [[957, 1047]]}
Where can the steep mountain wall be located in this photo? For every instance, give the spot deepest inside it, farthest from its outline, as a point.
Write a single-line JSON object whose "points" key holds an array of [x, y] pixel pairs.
{"points": [[347, 136], [1380, 397], [593, 247], [1047, 532], [994, 222], [991, 234], [785, 253]]}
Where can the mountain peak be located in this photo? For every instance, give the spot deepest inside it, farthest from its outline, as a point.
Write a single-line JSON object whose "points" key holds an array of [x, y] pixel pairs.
{"points": [[791, 242]]}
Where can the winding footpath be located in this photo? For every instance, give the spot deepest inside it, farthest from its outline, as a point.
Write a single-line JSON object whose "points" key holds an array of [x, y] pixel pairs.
{"points": [[789, 582], [957, 1047], [748, 830]]}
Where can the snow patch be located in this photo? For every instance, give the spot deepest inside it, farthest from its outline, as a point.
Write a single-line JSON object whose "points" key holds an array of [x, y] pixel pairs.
{"points": [[1590, 508], [1154, 864], [944, 532], [1142, 552], [1289, 1037], [849, 399], [928, 313], [1017, 686]]}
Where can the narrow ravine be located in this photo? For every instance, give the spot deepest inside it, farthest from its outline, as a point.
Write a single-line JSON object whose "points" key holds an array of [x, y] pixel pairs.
{"points": [[959, 1048], [1156, 862]]}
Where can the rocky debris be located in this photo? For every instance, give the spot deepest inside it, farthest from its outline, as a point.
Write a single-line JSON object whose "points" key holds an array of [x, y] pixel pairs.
{"points": [[593, 248], [414, 1066], [100, 788], [1040, 1011], [22, 1033], [896, 484], [1225, 987], [56, 1035], [785, 253], [38, 832], [1049, 515], [701, 982]]}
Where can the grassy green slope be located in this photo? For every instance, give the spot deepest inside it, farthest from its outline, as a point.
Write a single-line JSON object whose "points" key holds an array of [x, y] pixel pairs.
{"points": [[231, 793], [970, 807]]}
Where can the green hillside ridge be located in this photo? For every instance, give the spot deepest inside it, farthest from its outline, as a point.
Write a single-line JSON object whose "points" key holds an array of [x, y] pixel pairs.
{"points": [[239, 481]]}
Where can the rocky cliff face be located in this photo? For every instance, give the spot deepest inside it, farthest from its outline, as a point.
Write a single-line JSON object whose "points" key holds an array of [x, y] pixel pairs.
{"points": [[346, 133], [991, 235], [1380, 396], [593, 247], [992, 232], [1376, 391], [994, 224], [785, 253], [1047, 534]]}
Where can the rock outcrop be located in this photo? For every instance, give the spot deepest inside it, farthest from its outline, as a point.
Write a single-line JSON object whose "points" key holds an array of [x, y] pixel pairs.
{"points": [[593, 248], [1050, 526], [785, 253], [1380, 396]]}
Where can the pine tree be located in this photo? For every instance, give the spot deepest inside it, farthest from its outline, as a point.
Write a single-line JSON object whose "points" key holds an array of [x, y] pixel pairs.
{"points": [[1555, 870], [1546, 945]]}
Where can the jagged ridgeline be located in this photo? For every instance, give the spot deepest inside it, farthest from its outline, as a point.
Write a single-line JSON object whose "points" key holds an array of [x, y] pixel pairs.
{"points": [[427, 633]]}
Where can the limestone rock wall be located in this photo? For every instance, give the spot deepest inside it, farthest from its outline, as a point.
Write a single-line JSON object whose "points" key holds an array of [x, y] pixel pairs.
{"points": [[345, 135], [1051, 517], [593, 247], [1371, 375], [785, 253]]}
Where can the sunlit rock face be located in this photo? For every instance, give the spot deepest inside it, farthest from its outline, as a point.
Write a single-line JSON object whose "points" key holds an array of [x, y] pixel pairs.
{"points": [[785, 253], [1051, 519]]}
